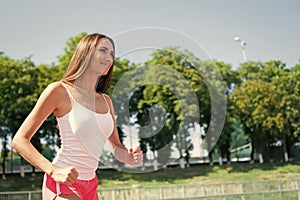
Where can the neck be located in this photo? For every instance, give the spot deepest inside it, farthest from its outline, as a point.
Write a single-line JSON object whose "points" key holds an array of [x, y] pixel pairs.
{"points": [[87, 83]]}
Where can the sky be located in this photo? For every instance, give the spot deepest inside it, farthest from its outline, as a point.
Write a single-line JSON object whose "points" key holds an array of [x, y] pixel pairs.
{"points": [[270, 28]]}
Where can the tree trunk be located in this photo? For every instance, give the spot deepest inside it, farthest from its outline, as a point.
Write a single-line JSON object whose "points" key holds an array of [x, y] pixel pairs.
{"points": [[211, 162], [228, 158], [285, 153], [33, 171], [3, 168], [252, 152], [220, 160], [4, 155], [182, 166], [22, 168], [260, 154], [260, 157]]}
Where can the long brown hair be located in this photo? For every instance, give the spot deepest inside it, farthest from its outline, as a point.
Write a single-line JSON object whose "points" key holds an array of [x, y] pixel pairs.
{"points": [[81, 59]]}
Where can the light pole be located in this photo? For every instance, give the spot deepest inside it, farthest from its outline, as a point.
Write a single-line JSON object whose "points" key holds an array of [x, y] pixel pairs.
{"points": [[243, 44]]}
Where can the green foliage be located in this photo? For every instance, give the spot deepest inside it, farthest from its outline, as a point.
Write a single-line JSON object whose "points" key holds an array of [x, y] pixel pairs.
{"points": [[171, 97], [262, 100], [18, 87], [267, 100], [18, 84], [171, 88]]}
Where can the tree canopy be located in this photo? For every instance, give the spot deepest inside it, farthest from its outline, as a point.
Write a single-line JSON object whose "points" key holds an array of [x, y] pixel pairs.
{"points": [[167, 97]]}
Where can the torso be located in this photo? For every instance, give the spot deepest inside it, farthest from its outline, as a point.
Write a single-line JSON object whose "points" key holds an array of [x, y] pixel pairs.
{"points": [[83, 131]]}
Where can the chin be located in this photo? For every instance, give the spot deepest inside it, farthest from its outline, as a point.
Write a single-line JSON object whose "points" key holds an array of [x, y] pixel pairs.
{"points": [[103, 73]]}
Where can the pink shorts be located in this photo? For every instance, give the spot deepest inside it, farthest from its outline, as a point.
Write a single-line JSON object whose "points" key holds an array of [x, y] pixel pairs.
{"points": [[86, 189]]}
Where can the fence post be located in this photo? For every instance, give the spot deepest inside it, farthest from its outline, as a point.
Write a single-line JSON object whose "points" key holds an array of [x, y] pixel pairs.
{"points": [[223, 192], [242, 191], [204, 191], [279, 189], [113, 194], [137, 192], [136, 189], [297, 187], [182, 191], [161, 194]]}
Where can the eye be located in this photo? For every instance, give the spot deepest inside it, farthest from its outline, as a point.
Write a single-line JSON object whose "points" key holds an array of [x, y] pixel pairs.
{"points": [[102, 50]]}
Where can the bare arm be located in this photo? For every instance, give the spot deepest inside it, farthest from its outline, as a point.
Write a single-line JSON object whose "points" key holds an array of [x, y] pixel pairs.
{"points": [[120, 152], [47, 103], [21, 142]]}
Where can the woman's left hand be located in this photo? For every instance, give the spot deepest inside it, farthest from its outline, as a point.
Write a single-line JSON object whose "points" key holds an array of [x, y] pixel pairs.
{"points": [[136, 155]]}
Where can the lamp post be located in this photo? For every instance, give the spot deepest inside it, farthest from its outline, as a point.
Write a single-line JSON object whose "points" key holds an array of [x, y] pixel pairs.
{"points": [[243, 44]]}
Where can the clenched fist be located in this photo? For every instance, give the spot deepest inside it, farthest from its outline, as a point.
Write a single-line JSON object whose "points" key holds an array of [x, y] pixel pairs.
{"points": [[64, 175]]}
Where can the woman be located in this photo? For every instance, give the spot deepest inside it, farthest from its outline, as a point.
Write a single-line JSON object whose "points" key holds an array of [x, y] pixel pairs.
{"points": [[85, 118]]}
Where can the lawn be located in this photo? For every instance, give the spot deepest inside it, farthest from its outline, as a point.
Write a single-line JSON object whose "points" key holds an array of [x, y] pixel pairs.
{"points": [[205, 174]]}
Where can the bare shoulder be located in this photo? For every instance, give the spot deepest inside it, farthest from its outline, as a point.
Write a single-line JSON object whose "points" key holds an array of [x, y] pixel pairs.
{"points": [[56, 89], [57, 96]]}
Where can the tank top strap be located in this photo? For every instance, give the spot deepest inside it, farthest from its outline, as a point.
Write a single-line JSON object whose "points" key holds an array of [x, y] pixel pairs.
{"points": [[106, 103], [67, 89]]}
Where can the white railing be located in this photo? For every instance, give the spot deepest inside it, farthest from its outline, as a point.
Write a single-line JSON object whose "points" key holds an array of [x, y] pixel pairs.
{"points": [[279, 189]]}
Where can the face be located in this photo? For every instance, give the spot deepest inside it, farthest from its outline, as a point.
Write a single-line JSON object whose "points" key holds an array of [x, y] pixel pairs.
{"points": [[102, 58]]}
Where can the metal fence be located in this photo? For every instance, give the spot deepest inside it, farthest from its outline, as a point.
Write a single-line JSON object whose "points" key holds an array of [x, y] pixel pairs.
{"points": [[266, 190]]}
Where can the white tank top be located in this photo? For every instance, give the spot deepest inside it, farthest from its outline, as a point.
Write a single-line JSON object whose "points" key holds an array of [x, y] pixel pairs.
{"points": [[83, 135]]}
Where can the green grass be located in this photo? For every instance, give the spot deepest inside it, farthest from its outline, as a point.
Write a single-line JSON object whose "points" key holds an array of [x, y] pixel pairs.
{"points": [[202, 174]]}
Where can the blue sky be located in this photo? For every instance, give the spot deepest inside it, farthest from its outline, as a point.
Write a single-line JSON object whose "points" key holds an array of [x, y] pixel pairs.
{"points": [[271, 28]]}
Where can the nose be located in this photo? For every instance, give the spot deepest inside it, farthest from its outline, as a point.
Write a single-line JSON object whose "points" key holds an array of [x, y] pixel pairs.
{"points": [[108, 60], [108, 57]]}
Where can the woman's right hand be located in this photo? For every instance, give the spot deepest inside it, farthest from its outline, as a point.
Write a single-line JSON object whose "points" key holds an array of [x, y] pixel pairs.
{"points": [[64, 175]]}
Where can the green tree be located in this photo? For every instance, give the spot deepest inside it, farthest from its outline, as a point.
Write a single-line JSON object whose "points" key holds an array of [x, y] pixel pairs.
{"points": [[229, 78], [289, 87], [170, 94], [261, 101], [18, 86]]}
